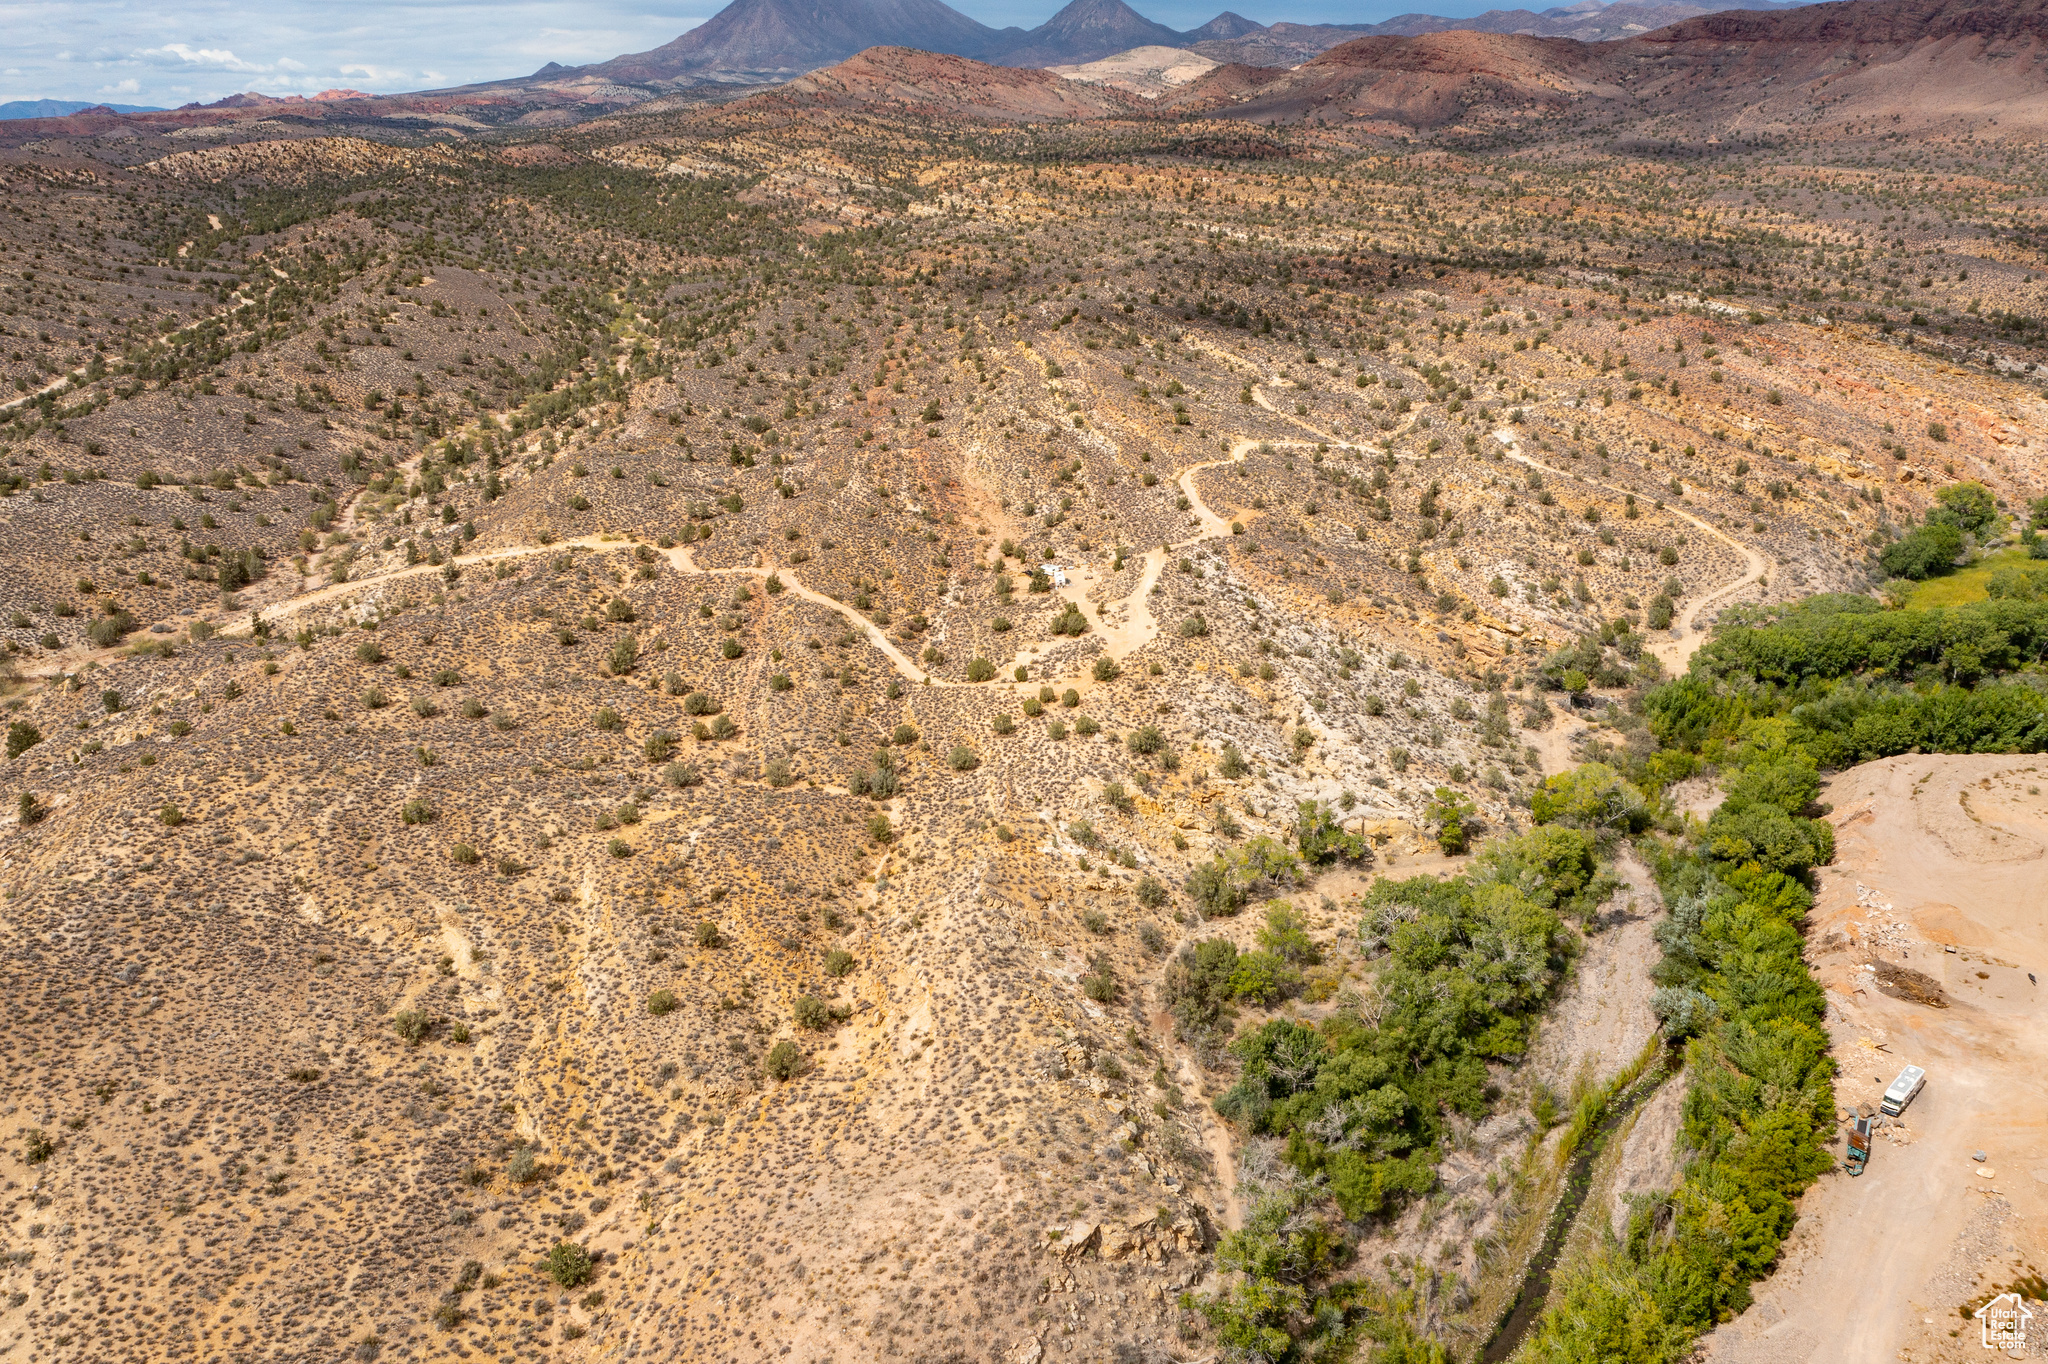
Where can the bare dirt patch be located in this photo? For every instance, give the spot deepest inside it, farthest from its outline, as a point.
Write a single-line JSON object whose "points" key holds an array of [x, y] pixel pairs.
{"points": [[1881, 1266]]}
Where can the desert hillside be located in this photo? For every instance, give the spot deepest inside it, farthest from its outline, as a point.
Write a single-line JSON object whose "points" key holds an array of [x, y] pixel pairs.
{"points": [[955, 712]]}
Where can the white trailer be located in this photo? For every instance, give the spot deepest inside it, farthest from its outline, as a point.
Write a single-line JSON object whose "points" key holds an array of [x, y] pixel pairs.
{"points": [[1903, 1090]]}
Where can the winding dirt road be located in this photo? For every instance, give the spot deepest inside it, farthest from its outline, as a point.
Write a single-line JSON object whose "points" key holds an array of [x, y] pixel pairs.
{"points": [[1125, 625], [1677, 652]]}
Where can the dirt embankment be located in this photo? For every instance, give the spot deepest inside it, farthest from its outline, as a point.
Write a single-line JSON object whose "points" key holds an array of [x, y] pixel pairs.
{"points": [[1929, 934]]}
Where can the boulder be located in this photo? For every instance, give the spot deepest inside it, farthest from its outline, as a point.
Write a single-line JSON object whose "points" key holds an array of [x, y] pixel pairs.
{"points": [[1077, 1239]]}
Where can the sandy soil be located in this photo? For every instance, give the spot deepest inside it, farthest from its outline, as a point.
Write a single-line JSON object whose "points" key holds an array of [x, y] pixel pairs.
{"points": [[1935, 853]]}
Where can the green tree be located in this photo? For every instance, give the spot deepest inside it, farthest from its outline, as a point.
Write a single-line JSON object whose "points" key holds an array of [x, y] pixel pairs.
{"points": [[1968, 506], [1453, 815], [1591, 796], [21, 737], [1321, 838], [1285, 935], [1923, 553], [1221, 885]]}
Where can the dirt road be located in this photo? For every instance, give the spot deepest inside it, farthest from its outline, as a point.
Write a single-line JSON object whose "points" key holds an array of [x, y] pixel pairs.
{"points": [[1674, 653], [1934, 852]]}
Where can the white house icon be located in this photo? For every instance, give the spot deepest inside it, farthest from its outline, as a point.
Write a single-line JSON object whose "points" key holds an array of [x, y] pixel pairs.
{"points": [[2005, 1320]]}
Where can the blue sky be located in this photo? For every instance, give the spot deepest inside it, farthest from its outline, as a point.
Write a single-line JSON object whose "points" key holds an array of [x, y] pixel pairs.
{"points": [[176, 51]]}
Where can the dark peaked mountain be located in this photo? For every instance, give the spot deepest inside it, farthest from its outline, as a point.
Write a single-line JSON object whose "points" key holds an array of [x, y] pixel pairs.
{"points": [[1085, 31], [781, 38], [1223, 28]]}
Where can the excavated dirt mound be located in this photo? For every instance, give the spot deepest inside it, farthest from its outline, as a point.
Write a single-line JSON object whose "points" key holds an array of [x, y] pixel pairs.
{"points": [[1903, 982]]}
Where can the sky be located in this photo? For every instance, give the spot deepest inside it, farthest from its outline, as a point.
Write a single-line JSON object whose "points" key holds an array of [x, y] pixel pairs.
{"points": [[176, 51]]}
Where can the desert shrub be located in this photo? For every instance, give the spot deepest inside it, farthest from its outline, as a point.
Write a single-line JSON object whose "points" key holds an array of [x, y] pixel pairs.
{"points": [[607, 720], [21, 737], [1230, 764], [1320, 838], [569, 1264], [838, 962], [1145, 740], [169, 815], [417, 811], [1105, 669], [412, 1025], [108, 630], [708, 934], [980, 669], [1150, 892], [697, 703], [1220, 886], [811, 1012], [878, 779], [1100, 983], [624, 653], [524, 1167], [465, 854], [663, 1002], [682, 774], [962, 759], [785, 1061]]}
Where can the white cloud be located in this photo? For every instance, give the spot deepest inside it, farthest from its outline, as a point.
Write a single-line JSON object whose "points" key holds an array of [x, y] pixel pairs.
{"points": [[207, 58], [131, 86]]}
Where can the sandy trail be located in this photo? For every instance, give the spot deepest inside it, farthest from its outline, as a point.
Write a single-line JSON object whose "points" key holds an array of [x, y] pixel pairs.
{"points": [[1674, 654], [1125, 625], [73, 376]]}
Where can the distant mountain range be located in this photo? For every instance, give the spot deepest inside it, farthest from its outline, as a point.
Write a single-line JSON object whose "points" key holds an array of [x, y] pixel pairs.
{"points": [[772, 40], [1920, 63], [57, 108]]}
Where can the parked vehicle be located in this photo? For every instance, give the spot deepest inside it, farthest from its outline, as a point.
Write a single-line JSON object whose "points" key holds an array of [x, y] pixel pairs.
{"points": [[1903, 1091], [1858, 1154]]}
